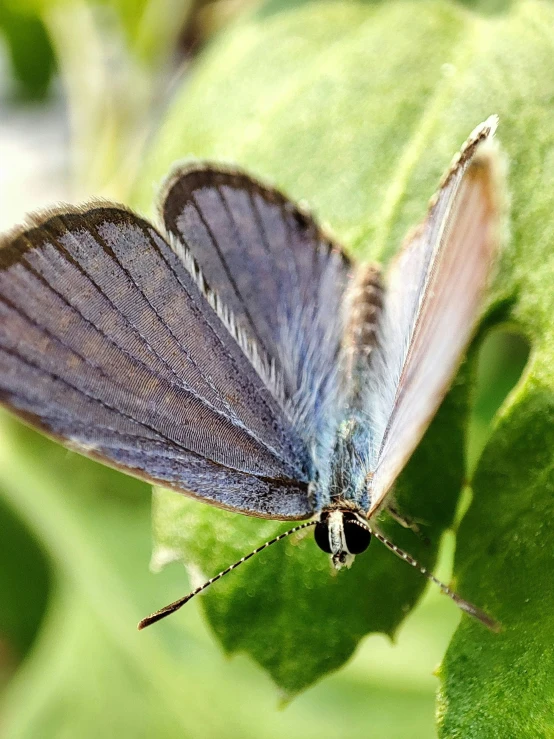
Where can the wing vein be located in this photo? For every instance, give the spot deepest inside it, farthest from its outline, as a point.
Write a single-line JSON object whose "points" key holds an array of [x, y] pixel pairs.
{"points": [[74, 263], [260, 398], [224, 262], [134, 361]]}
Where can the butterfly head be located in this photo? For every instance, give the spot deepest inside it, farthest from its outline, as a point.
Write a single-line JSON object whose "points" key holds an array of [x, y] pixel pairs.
{"points": [[342, 533]]}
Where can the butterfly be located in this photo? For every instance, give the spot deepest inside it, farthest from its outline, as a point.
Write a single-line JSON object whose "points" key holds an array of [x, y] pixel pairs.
{"points": [[237, 355]]}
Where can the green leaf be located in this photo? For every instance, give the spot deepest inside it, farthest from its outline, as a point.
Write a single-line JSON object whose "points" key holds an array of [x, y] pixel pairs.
{"points": [[357, 108], [31, 54], [22, 601]]}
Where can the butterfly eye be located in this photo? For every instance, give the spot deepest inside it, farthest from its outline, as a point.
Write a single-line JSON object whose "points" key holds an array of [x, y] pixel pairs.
{"points": [[321, 535], [357, 537]]}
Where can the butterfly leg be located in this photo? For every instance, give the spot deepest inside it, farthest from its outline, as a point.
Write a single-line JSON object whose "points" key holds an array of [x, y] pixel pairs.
{"points": [[407, 523]]}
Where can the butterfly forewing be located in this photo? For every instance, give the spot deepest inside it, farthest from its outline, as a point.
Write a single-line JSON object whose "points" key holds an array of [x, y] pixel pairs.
{"points": [[434, 295], [273, 267], [108, 344]]}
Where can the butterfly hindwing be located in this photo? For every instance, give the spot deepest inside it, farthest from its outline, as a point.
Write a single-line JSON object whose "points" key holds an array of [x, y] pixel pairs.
{"points": [[108, 344], [282, 278]]}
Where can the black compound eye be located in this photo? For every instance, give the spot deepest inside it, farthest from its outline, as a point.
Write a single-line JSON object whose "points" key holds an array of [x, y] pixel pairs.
{"points": [[321, 536], [357, 537]]}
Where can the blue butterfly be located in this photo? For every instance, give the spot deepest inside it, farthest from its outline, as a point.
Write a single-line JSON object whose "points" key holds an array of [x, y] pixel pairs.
{"points": [[237, 355]]}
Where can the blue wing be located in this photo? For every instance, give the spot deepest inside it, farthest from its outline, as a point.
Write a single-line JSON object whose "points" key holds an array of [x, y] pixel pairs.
{"points": [[281, 277], [108, 344]]}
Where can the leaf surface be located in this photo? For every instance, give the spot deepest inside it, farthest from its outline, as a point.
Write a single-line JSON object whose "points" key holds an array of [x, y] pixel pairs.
{"points": [[357, 109]]}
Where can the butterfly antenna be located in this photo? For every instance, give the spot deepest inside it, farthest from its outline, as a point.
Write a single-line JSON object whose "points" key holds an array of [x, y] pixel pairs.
{"points": [[465, 605], [172, 607]]}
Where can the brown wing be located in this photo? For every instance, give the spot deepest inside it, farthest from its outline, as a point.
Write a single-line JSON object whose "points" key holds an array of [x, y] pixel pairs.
{"points": [[435, 293]]}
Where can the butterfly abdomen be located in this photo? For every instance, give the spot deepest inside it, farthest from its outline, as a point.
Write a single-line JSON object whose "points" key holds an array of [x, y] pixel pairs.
{"points": [[365, 301]]}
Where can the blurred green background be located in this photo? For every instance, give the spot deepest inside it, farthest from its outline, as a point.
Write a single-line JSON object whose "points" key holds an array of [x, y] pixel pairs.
{"points": [[83, 89]]}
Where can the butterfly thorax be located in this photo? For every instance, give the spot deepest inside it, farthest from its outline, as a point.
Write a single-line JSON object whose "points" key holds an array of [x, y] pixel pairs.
{"points": [[349, 464]]}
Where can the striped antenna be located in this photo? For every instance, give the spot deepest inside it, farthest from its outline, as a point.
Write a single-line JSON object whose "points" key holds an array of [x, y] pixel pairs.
{"points": [[172, 607], [465, 605]]}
